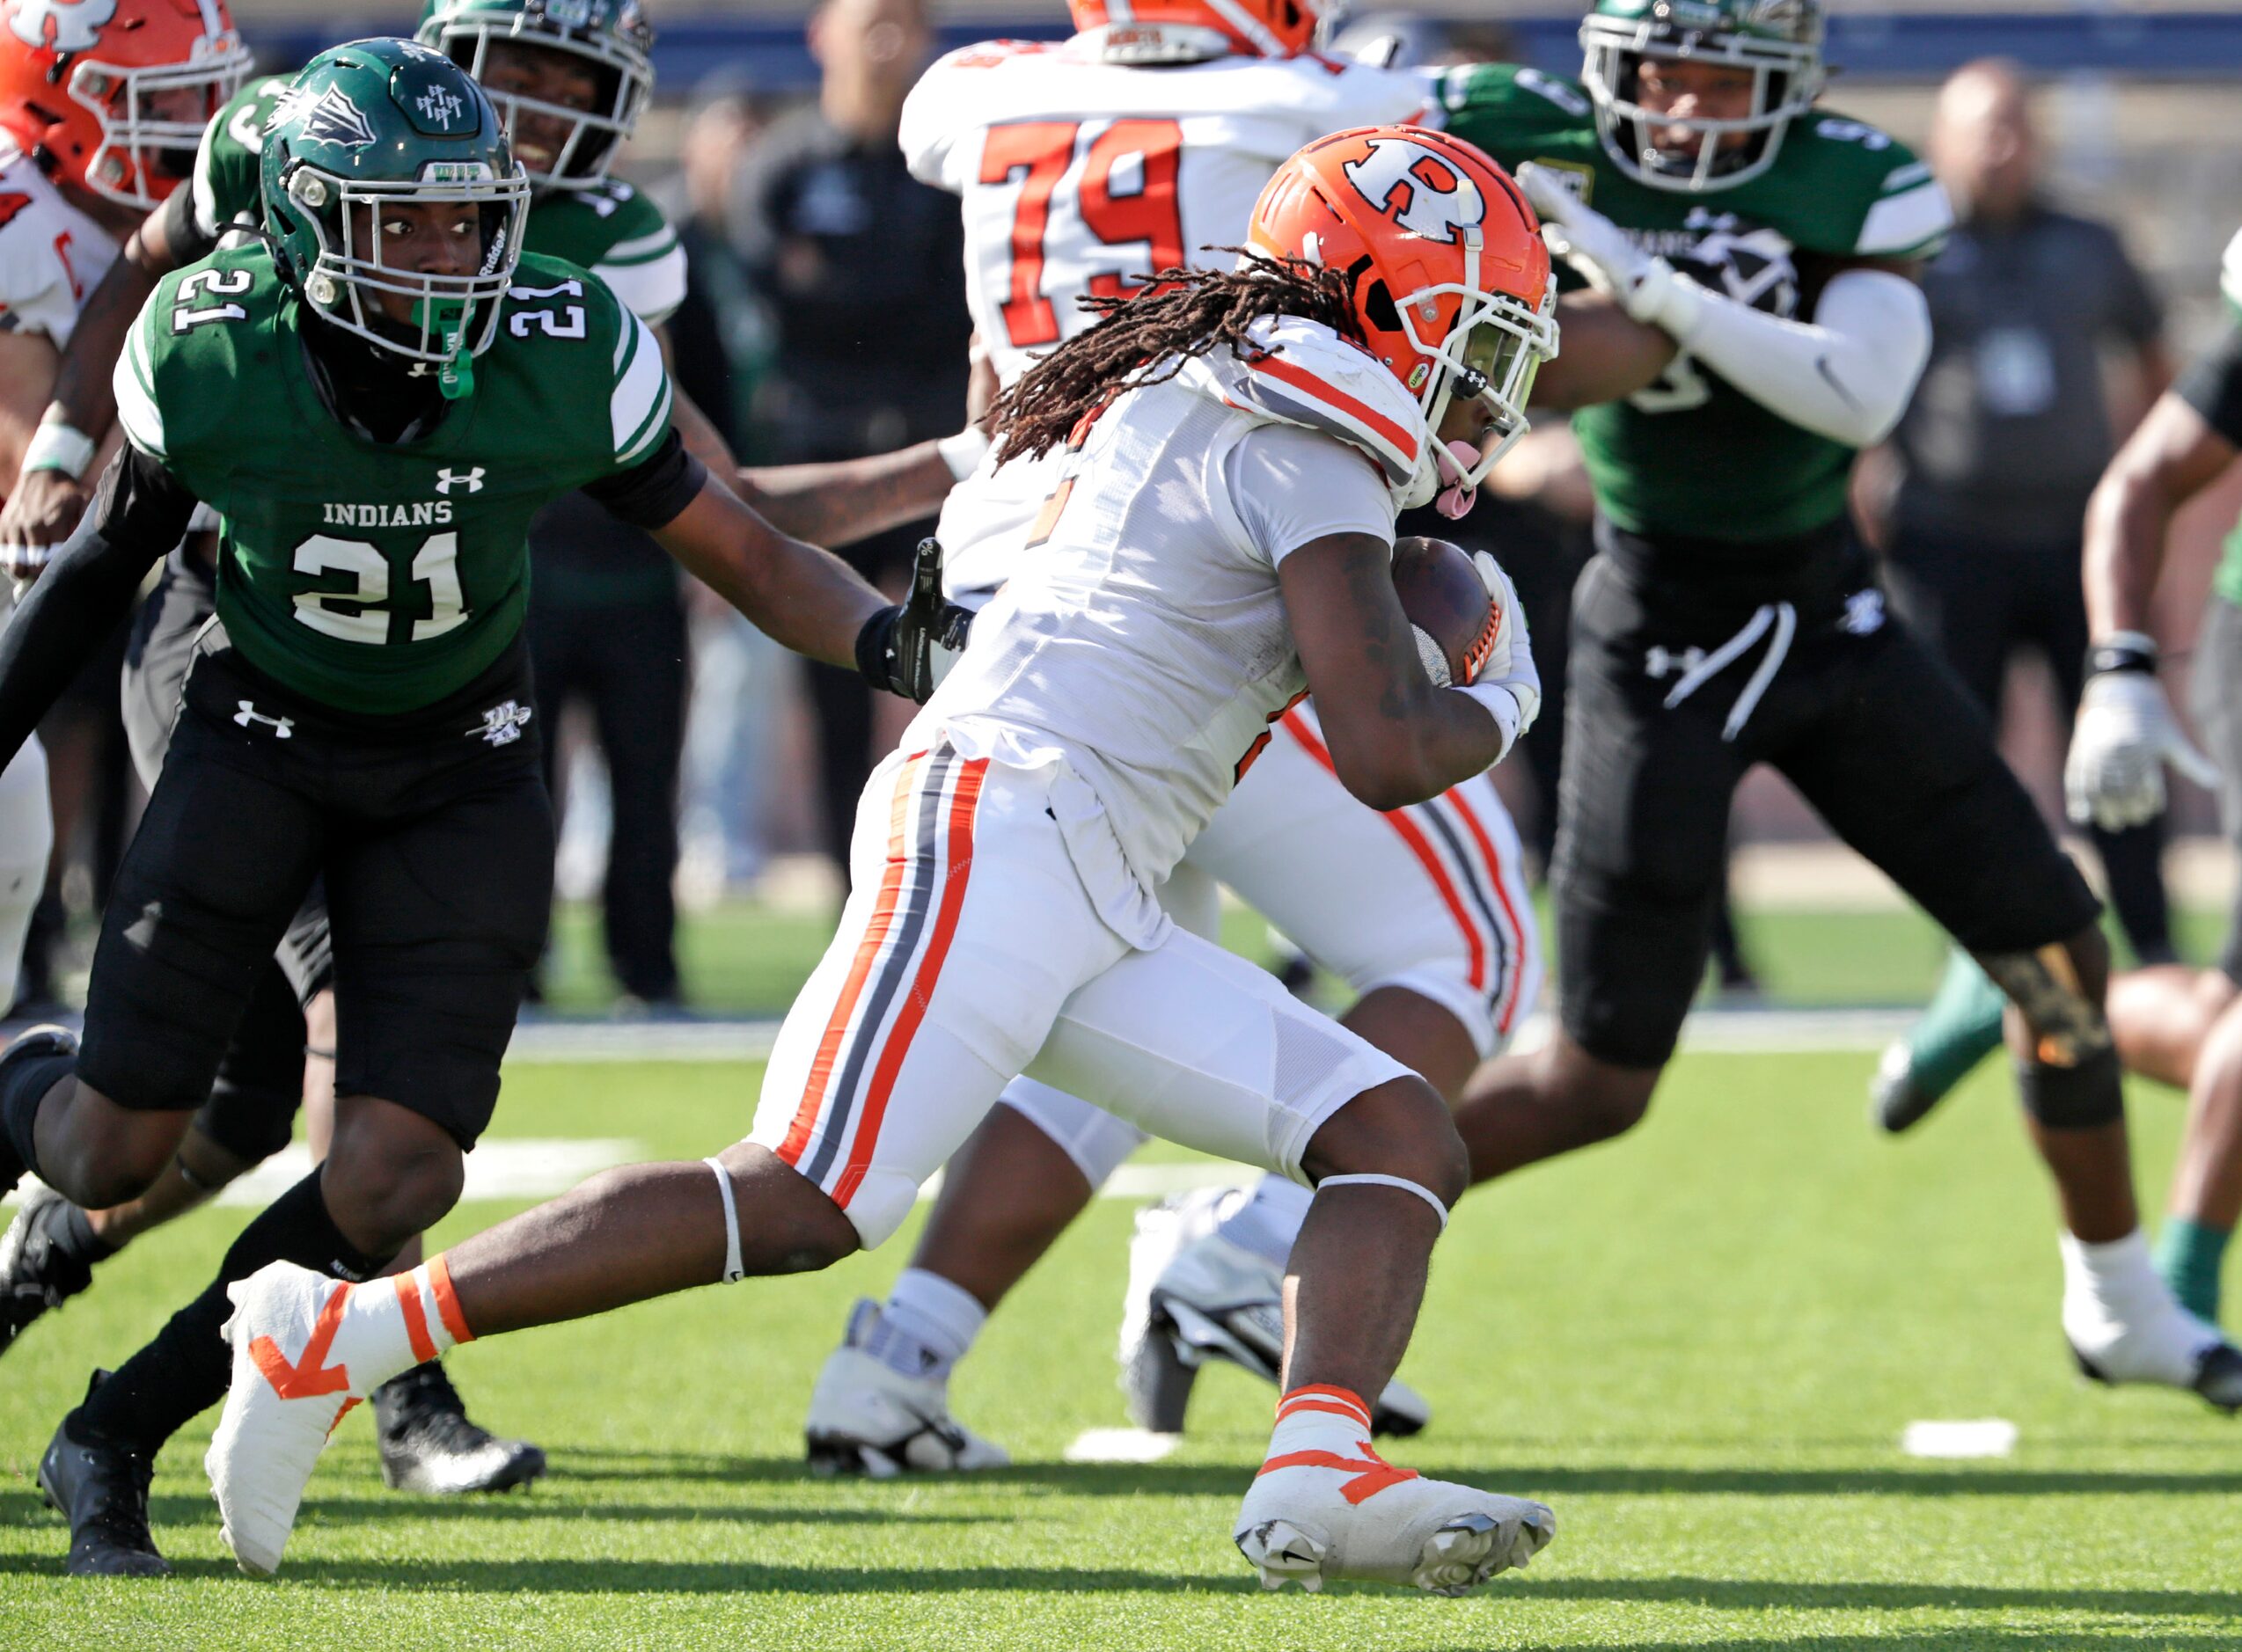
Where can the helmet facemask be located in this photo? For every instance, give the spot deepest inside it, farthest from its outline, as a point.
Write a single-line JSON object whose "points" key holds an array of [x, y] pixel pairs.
{"points": [[452, 318], [1786, 79], [624, 73], [143, 156], [1490, 354]]}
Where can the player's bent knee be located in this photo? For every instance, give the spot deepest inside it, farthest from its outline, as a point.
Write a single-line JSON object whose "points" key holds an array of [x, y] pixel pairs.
{"points": [[2069, 1076], [381, 1190], [1402, 1129]]}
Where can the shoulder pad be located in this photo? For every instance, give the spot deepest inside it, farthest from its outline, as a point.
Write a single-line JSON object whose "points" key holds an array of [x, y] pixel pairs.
{"points": [[39, 292], [949, 100], [1314, 378], [620, 234], [1862, 180]]}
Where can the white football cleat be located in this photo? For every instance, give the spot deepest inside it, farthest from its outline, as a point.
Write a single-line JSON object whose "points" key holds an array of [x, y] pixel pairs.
{"points": [[865, 1417], [291, 1387], [1195, 1295], [1314, 1518], [2162, 1344]]}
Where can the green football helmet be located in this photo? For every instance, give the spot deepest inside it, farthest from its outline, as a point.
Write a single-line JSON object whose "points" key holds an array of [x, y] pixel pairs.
{"points": [[1778, 40], [612, 36], [361, 129]]}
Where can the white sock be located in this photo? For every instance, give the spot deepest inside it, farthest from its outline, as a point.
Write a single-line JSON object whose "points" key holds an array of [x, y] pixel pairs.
{"points": [[1267, 1223], [927, 1325], [1320, 1419], [2119, 1313], [392, 1324]]}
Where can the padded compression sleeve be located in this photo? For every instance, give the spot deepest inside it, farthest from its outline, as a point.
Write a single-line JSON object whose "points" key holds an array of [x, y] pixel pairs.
{"points": [[652, 493], [1846, 374], [139, 514]]}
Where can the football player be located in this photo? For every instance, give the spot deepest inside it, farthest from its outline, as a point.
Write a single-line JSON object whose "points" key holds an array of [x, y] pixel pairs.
{"points": [[1690, 179], [377, 401], [1233, 451], [1137, 145], [100, 112], [569, 83]]}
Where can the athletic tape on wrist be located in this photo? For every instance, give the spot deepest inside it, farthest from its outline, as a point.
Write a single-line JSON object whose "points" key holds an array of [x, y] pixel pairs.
{"points": [[963, 451], [56, 446], [2122, 651], [1369, 1179], [732, 1269]]}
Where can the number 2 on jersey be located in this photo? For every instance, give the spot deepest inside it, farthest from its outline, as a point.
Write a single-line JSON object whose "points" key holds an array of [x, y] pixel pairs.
{"points": [[1125, 195]]}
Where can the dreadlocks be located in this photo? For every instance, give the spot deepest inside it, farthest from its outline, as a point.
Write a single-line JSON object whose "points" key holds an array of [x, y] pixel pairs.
{"points": [[1145, 338]]}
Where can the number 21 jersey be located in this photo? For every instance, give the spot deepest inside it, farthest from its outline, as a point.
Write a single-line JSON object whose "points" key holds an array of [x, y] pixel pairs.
{"points": [[1081, 177]]}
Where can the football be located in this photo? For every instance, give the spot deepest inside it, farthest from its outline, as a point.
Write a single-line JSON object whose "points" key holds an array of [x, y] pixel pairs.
{"points": [[1448, 608]]}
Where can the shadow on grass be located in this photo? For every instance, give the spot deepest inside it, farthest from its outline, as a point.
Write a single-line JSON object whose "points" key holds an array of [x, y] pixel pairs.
{"points": [[1207, 1480], [1954, 1639]]}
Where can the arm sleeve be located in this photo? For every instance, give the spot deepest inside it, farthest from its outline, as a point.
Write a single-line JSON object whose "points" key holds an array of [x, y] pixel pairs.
{"points": [[184, 231], [2212, 385], [140, 512], [1290, 487], [652, 493]]}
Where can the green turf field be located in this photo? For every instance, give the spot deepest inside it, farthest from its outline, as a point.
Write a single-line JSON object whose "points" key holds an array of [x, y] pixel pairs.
{"points": [[1700, 1345]]}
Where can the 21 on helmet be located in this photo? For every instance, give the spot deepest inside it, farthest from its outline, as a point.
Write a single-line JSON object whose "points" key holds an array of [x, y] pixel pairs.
{"points": [[1450, 281], [112, 95], [363, 129], [610, 37], [1778, 41], [1192, 31]]}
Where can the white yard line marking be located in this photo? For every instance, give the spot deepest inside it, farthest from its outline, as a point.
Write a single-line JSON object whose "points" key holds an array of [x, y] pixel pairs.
{"points": [[516, 1168], [1120, 1445], [1988, 1437]]}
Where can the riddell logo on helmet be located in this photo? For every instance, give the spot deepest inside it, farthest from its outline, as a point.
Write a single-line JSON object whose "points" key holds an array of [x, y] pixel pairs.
{"points": [[77, 24], [1417, 190]]}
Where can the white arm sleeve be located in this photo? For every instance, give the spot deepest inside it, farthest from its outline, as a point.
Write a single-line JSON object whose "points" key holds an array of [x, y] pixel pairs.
{"points": [[1846, 374], [1291, 487]]}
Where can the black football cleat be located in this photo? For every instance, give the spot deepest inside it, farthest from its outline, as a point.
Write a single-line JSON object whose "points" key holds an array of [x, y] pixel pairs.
{"points": [[38, 1268], [2218, 1375], [428, 1443], [100, 1487]]}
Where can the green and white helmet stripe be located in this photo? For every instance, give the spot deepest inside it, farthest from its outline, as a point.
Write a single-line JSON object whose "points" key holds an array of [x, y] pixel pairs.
{"points": [[361, 130], [1778, 40], [613, 36]]}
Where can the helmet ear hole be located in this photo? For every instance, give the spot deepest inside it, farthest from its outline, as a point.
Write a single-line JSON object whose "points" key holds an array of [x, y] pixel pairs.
{"points": [[1378, 305]]}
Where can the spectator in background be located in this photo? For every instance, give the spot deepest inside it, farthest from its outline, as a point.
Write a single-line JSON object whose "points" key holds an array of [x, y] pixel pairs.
{"points": [[861, 267], [1992, 467]]}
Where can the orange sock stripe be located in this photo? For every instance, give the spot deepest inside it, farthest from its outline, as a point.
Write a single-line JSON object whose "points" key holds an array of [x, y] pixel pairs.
{"points": [[964, 798], [447, 1300], [1324, 1396], [860, 969], [416, 1317]]}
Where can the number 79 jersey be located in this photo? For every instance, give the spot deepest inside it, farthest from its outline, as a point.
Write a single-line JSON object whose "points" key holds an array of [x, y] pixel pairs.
{"points": [[381, 577], [1082, 177]]}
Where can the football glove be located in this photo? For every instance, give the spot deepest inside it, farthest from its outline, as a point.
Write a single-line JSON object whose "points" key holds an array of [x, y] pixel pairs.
{"points": [[1507, 683], [909, 649], [2125, 734], [1647, 288]]}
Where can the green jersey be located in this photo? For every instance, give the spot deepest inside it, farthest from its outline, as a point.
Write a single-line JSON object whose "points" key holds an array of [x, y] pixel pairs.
{"points": [[610, 230], [1692, 454], [2227, 582], [381, 577]]}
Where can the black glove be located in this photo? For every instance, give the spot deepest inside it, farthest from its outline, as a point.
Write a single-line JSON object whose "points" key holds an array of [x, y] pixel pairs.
{"points": [[908, 649]]}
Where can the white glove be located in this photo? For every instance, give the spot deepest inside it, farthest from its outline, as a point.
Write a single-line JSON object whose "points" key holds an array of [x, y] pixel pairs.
{"points": [[2125, 734], [1647, 288], [1507, 682]]}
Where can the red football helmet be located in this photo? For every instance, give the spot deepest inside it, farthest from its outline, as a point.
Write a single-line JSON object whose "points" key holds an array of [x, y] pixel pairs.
{"points": [[1191, 31], [1451, 280], [112, 95]]}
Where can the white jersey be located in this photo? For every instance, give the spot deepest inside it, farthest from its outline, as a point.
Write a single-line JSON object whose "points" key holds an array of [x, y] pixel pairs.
{"points": [[1142, 640], [51, 254], [1079, 175]]}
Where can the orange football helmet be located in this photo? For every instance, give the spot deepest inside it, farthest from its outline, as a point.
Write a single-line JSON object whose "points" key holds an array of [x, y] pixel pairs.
{"points": [[1191, 31], [1451, 281], [112, 95]]}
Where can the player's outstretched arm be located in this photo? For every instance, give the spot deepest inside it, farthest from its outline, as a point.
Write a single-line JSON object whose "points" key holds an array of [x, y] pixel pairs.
{"points": [[848, 500], [2172, 455], [1608, 355], [50, 495], [1395, 738], [139, 512]]}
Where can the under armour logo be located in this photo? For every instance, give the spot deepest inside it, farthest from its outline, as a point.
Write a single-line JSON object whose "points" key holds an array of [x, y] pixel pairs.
{"points": [[282, 727], [1418, 189], [1661, 662], [501, 724], [1864, 612], [447, 479]]}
